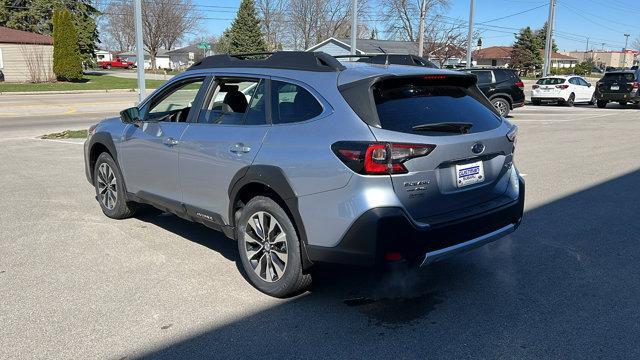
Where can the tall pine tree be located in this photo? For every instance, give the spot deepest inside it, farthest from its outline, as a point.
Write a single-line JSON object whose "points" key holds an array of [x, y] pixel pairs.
{"points": [[244, 34], [526, 54], [67, 61]]}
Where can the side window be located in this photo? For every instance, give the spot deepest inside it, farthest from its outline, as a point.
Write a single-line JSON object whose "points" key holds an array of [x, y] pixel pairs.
{"points": [[574, 81], [484, 76], [292, 103], [174, 104], [583, 82], [236, 101]]}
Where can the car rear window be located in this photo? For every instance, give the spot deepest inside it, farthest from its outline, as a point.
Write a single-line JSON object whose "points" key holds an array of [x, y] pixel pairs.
{"points": [[504, 75], [404, 104], [621, 77], [550, 81]]}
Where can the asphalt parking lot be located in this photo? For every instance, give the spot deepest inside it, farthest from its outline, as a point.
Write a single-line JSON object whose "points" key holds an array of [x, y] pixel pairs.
{"points": [[76, 284]]}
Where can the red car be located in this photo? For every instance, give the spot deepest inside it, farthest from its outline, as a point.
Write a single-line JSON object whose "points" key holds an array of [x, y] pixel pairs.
{"points": [[116, 63]]}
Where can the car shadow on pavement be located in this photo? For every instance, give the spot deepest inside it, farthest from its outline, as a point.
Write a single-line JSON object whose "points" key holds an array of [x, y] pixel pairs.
{"points": [[565, 285], [191, 231]]}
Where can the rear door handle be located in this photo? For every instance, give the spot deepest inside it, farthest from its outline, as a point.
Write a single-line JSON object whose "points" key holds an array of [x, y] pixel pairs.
{"points": [[170, 141], [239, 148]]}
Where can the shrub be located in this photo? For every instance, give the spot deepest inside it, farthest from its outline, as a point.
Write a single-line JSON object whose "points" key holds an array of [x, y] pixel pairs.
{"points": [[67, 61]]}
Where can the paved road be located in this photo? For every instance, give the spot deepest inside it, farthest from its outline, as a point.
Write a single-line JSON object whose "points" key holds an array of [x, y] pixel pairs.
{"points": [[34, 115], [75, 284]]}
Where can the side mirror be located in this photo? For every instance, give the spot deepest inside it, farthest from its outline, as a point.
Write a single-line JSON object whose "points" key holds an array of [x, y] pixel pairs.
{"points": [[588, 84], [131, 116]]}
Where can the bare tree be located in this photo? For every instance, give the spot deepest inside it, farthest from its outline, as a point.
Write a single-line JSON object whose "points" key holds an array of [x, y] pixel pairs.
{"points": [[272, 22], [165, 23], [401, 17], [445, 40], [39, 63], [311, 21]]}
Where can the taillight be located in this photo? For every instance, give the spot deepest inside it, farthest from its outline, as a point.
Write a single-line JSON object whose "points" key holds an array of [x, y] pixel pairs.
{"points": [[562, 87], [520, 84], [535, 86], [378, 158], [635, 85]]}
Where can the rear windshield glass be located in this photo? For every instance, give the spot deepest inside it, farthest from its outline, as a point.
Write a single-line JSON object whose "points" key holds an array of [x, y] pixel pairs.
{"points": [[550, 81], [622, 77], [405, 104], [504, 75]]}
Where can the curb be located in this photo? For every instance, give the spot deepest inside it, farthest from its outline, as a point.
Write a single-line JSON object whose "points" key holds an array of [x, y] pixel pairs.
{"points": [[57, 92]]}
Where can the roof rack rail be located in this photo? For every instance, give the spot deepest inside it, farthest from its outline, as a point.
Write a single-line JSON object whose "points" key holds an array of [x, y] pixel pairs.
{"points": [[292, 60], [354, 56]]}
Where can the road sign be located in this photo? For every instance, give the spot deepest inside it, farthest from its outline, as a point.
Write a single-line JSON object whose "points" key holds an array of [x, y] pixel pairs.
{"points": [[204, 45]]}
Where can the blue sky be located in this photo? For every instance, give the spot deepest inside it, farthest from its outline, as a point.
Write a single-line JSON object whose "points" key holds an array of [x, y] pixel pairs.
{"points": [[603, 21]]}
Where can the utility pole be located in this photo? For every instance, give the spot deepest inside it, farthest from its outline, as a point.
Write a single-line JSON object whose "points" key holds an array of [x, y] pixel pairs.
{"points": [[548, 48], [354, 25], [470, 33], [423, 10], [587, 49], [626, 42], [139, 49]]}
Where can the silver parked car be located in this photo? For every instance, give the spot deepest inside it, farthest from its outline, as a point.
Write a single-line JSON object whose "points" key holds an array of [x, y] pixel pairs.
{"points": [[303, 159]]}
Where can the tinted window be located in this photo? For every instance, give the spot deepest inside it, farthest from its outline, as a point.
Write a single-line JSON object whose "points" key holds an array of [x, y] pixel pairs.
{"points": [[403, 104], [618, 77], [574, 81], [236, 101], [504, 75], [292, 103], [484, 76], [550, 81]]}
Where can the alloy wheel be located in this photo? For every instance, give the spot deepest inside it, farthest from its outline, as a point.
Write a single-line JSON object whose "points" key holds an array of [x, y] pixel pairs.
{"points": [[107, 186], [502, 107], [265, 244]]}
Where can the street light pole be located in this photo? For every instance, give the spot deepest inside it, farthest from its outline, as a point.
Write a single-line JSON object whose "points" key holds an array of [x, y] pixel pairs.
{"points": [[423, 10], [470, 33], [626, 42], [139, 49], [549, 43], [354, 25]]}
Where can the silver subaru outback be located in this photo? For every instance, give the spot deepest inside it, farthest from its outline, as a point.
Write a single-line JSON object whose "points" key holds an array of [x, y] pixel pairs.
{"points": [[304, 159]]}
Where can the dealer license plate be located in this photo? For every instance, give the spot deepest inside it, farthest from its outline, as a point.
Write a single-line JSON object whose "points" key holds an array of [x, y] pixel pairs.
{"points": [[615, 87], [469, 174]]}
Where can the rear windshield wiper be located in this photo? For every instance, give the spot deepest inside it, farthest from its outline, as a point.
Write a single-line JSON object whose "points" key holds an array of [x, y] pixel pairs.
{"points": [[452, 127]]}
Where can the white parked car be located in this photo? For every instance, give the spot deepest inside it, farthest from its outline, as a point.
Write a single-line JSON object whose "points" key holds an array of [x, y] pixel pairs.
{"points": [[563, 89]]}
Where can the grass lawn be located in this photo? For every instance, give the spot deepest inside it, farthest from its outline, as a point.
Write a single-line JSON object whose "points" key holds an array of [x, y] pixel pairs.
{"points": [[67, 134], [89, 82]]}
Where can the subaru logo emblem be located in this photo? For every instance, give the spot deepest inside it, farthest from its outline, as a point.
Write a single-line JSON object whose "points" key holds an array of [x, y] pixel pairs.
{"points": [[477, 148]]}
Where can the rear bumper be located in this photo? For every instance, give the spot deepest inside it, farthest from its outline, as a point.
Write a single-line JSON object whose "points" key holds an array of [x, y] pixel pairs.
{"points": [[629, 96], [384, 230], [548, 98]]}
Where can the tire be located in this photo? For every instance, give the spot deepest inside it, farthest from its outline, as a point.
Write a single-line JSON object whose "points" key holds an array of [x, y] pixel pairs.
{"points": [[110, 189], [622, 103], [108, 67], [601, 104], [571, 100], [272, 265], [502, 106]]}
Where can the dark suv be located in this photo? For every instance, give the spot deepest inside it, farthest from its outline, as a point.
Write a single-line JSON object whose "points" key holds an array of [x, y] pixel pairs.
{"points": [[502, 87], [618, 86]]}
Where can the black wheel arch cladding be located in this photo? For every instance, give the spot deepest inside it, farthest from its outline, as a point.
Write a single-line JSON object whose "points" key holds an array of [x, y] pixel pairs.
{"points": [[273, 178], [101, 139]]}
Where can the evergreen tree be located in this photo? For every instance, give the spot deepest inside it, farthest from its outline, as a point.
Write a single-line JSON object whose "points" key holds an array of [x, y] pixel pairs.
{"points": [[37, 16], [526, 54], [542, 36], [245, 35], [67, 62]]}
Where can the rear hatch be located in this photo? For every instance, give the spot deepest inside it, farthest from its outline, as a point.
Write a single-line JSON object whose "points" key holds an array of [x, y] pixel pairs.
{"points": [[617, 83], [471, 156], [550, 87]]}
